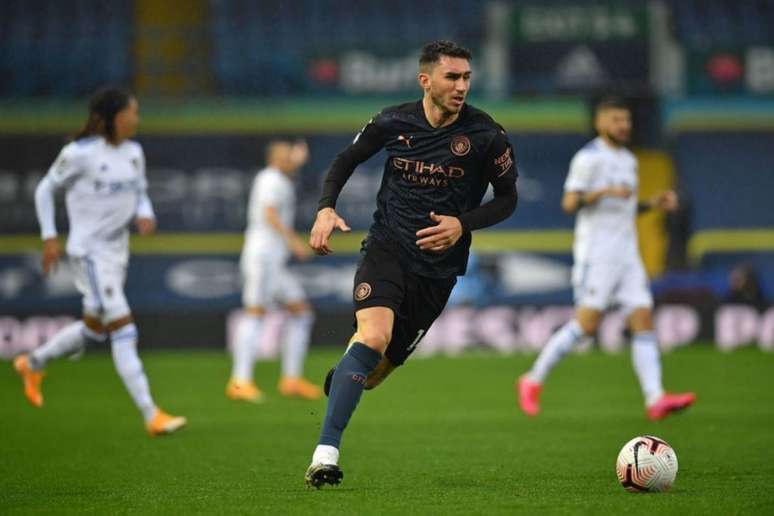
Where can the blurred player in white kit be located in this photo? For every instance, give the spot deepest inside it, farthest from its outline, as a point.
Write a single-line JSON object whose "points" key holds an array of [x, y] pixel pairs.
{"points": [[103, 174], [268, 283], [601, 189]]}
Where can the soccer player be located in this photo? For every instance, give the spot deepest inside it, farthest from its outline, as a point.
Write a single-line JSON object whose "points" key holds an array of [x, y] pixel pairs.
{"points": [[103, 174], [442, 154], [601, 189], [269, 242]]}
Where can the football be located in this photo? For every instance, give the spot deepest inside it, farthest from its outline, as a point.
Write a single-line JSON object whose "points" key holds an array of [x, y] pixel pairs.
{"points": [[646, 464]]}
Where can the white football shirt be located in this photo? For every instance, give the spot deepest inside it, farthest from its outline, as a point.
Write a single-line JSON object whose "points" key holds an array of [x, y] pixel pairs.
{"points": [[605, 231], [105, 189], [270, 188]]}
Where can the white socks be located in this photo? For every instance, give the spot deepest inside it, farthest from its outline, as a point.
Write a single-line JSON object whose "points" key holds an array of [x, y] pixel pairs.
{"points": [[296, 343], [123, 343], [645, 358], [325, 454], [73, 337], [558, 345], [647, 364], [246, 341], [70, 339], [293, 350]]}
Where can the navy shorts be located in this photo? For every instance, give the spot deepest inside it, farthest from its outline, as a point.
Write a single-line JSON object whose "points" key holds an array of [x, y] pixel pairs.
{"points": [[417, 301]]}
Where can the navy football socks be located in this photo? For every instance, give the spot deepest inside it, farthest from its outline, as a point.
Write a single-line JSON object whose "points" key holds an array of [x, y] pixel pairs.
{"points": [[346, 388]]}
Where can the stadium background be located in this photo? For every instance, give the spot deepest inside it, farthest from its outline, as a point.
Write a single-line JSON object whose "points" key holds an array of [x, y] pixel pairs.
{"points": [[218, 79]]}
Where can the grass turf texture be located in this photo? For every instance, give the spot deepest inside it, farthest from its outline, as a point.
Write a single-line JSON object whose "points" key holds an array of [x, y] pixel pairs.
{"points": [[442, 436]]}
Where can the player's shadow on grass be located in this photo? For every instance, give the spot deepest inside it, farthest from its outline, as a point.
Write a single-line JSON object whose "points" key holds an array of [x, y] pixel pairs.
{"points": [[342, 490]]}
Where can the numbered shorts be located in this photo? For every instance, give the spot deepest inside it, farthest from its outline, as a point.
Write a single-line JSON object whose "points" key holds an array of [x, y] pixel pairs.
{"points": [[268, 283], [602, 285], [101, 283], [417, 301]]}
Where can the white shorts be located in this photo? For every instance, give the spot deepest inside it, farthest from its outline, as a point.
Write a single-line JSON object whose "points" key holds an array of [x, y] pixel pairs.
{"points": [[602, 285], [269, 282], [102, 285]]}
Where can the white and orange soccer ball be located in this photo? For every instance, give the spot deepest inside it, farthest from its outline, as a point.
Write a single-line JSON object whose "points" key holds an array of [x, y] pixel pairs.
{"points": [[646, 464]]}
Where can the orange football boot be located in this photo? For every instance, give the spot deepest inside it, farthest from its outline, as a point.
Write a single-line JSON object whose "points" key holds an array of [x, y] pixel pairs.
{"points": [[31, 380], [244, 391], [299, 388], [164, 424]]}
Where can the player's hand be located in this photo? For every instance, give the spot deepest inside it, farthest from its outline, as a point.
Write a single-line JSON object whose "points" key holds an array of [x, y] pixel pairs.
{"points": [[667, 201], [145, 225], [440, 237], [622, 192], [300, 250], [327, 220], [51, 254]]}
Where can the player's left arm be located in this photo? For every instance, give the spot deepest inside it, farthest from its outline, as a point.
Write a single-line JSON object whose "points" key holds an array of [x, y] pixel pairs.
{"points": [[502, 173], [501, 168], [145, 218], [667, 201]]}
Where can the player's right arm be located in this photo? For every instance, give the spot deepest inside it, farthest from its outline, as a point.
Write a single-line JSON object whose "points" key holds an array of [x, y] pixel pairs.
{"points": [[573, 201], [294, 243], [63, 172], [367, 143], [577, 188], [327, 220]]}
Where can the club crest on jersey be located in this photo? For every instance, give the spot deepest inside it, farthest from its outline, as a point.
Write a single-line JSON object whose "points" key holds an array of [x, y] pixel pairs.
{"points": [[460, 145], [362, 291]]}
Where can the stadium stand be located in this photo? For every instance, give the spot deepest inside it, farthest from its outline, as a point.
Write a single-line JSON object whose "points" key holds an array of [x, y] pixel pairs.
{"points": [[63, 49]]}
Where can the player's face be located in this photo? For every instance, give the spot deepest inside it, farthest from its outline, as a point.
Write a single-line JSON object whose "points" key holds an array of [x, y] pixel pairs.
{"points": [[127, 120], [448, 83], [615, 124], [298, 155]]}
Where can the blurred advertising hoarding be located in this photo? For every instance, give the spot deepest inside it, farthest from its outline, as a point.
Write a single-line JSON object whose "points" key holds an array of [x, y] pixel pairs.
{"points": [[731, 70], [574, 47], [504, 329], [510, 303], [201, 182]]}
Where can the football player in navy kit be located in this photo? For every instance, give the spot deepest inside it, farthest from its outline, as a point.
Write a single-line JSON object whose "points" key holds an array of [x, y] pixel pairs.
{"points": [[442, 154]]}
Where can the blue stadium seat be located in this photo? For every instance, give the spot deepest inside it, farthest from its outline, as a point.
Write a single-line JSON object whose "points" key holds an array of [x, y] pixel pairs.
{"points": [[704, 23], [63, 48], [275, 38]]}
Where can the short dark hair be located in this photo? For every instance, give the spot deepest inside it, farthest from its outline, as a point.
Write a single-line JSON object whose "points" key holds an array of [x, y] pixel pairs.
{"points": [[433, 51], [611, 103]]}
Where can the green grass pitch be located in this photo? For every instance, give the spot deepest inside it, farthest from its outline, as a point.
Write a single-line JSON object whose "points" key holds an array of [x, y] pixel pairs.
{"points": [[442, 436]]}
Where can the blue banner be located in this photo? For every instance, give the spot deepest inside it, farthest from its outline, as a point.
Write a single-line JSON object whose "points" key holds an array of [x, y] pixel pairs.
{"points": [[201, 183], [728, 178], [212, 283]]}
